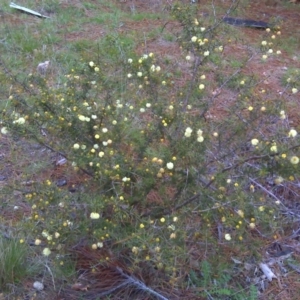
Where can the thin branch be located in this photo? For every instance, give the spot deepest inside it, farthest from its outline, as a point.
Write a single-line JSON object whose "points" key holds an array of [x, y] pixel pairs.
{"points": [[112, 290], [49, 270], [273, 196], [265, 190], [197, 196], [141, 285]]}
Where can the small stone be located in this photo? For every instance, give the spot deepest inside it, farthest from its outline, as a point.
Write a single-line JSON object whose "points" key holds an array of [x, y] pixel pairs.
{"points": [[42, 67], [72, 189], [2, 177], [61, 182], [38, 286], [61, 162]]}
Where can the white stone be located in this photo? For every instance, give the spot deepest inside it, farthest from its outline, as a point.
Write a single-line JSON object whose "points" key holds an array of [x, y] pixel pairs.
{"points": [[42, 67], [38, 286]]}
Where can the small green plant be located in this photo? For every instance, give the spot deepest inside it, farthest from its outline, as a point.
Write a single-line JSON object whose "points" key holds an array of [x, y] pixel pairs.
{"points": [[14, 264], [220, 286], [290, 80]]}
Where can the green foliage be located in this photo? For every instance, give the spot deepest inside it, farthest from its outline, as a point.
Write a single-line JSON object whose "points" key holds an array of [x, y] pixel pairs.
{"points": [[14, 265], [220, 288], [291, 78]]}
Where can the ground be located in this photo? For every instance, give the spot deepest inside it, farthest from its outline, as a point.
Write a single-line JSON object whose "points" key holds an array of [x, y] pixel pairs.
{"points": [[23, 160]]}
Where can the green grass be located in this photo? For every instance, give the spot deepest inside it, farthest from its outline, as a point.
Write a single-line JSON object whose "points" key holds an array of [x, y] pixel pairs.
{"points": [[14, 262], [290, 45]]}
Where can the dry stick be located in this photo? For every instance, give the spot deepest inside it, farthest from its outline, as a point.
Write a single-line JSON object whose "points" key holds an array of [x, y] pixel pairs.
{"points": [[265, 190], [274, 196], [61, 154], [126, 282], [141, 285], [49, 270], [212, 180], [57, 152], [197, 64], [195, 197], [232, 7], [130, 280], [295, 268]]}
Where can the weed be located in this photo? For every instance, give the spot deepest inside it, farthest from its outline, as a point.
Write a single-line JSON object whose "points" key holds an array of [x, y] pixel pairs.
{"points": [[14, 264]]}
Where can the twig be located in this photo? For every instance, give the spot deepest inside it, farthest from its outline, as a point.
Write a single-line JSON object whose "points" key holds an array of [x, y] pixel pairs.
{"points": [[141, 285], [295, 268], [58, 152], [111, 290], [49, 270], [233, 6], [287, 211], [195, 197], [265, 190]]}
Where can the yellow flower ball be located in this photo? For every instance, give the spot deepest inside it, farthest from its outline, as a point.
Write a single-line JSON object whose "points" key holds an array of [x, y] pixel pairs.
{"points": [[170, 165], [37, 242], [46, 252], [4, 130], [227, 237], [94, 216], [292, 133], [135, 250], [294, 160], [273, 148], [173, 235], [252, 225], [278, 180], [240, 213]]}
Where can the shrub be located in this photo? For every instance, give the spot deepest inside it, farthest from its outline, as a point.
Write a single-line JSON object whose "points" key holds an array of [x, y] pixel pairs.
{"points": [[170, 165]]}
